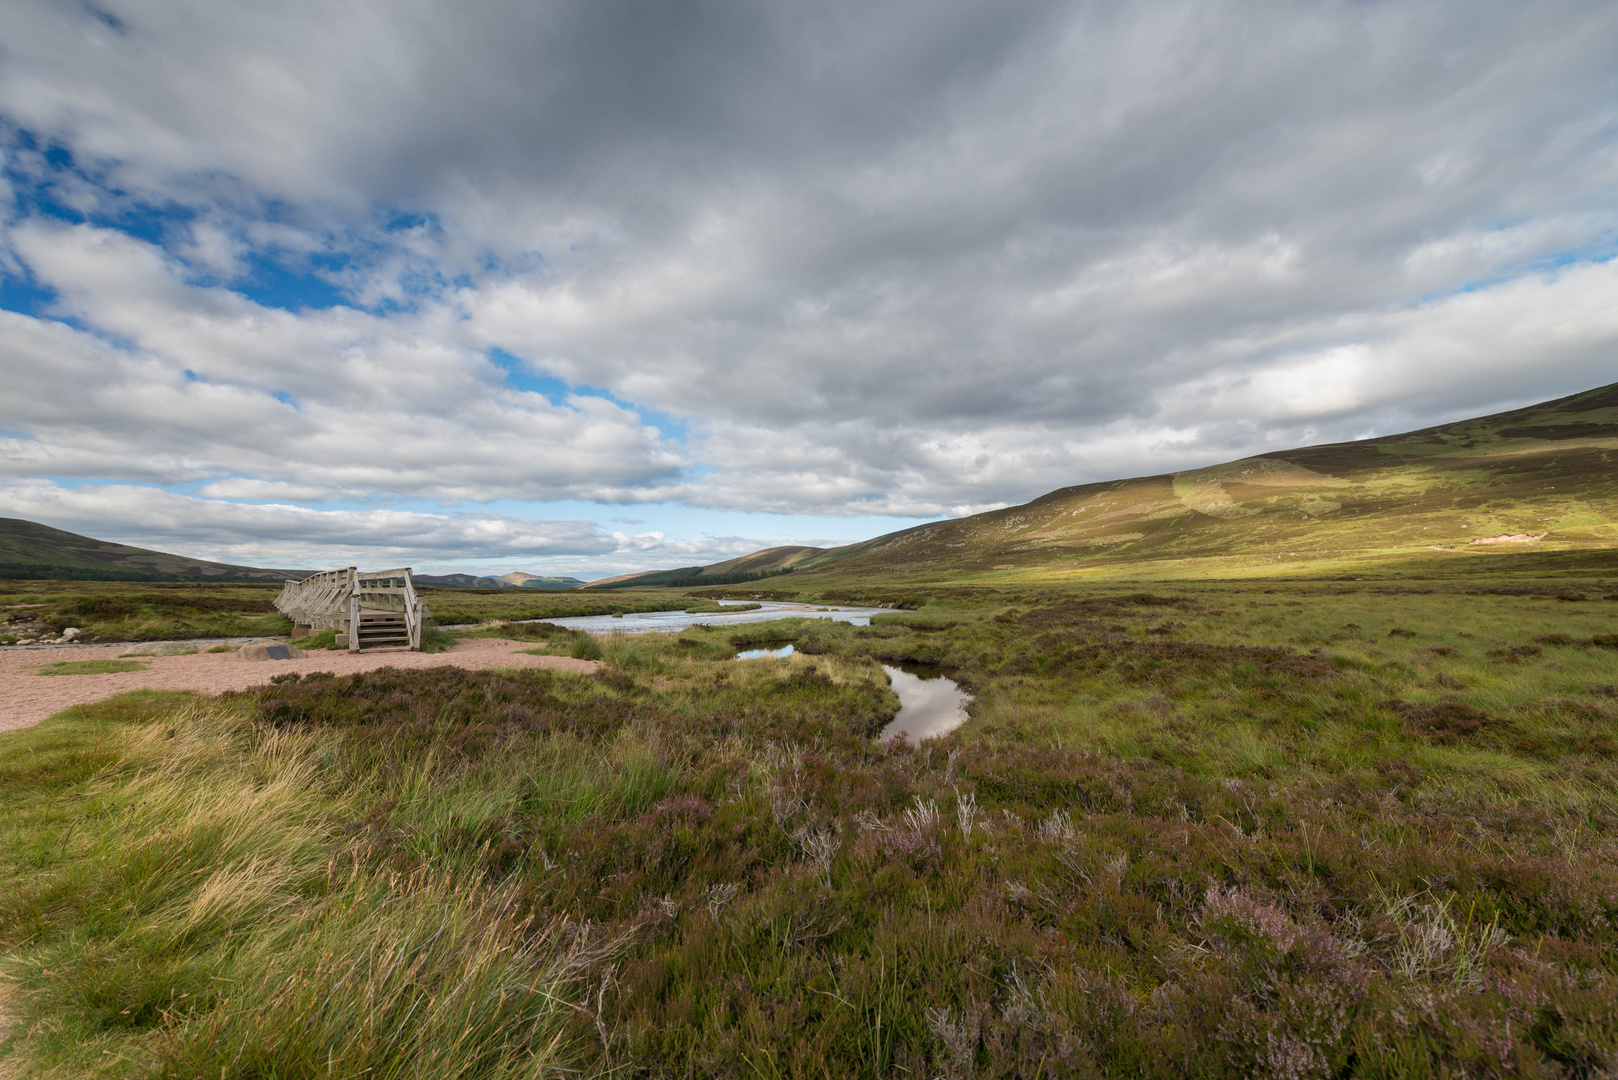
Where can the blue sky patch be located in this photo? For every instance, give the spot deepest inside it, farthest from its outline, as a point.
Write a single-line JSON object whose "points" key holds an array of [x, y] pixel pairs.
{"points": [[272, 284], [557, 391], [24, 295]]}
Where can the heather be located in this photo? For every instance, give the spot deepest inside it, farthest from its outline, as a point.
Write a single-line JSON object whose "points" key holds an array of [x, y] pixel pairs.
{"points": [[1216, 829]]}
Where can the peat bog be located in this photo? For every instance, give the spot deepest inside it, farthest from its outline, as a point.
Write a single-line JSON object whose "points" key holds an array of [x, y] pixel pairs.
{"points": [[1220, 829]]}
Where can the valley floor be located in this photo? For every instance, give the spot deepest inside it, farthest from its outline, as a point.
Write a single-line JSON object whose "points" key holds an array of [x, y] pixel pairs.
{"points": [[1216, 829]]}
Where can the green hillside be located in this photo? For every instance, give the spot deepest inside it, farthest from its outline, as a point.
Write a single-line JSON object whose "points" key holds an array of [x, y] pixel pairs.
{"points": [[30, 551], [1548, 472], [770, 562]]}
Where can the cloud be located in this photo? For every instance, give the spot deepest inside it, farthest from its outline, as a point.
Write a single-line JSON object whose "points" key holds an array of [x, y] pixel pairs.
{"points": [[258, 534], [912, 259], [198, 382], [296, 537]]}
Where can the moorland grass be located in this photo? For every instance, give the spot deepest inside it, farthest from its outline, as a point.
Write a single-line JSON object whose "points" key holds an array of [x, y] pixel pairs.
{"points": [[144, 611], [184, 896], [1216, 829]]}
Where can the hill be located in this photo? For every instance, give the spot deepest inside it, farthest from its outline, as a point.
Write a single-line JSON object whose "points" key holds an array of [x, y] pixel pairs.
{"points": [[518, 579], [769, 562], [29, 550], [514, 580], [1542, 478]]}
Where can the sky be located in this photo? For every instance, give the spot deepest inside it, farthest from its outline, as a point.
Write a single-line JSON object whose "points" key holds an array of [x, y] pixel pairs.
{"points": [[590, 288]]}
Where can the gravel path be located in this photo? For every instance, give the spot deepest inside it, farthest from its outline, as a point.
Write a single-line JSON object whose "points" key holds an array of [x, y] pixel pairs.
{"points": [[26, 698]]}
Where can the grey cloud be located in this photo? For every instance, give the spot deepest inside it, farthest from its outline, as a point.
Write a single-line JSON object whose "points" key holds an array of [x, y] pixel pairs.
{"points": [[294, 537], [300, 537], [342, 400], [906, 258]]}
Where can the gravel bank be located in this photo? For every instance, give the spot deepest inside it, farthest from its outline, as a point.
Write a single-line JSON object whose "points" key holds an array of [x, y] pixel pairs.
{"points": [[26, 698]]}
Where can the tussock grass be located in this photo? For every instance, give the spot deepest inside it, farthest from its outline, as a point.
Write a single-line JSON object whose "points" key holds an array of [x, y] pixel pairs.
{"points": [[186, 903]]}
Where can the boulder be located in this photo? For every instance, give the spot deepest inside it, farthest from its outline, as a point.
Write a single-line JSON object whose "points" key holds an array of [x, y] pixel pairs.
{"points": [[270, 650], [163, 648]]}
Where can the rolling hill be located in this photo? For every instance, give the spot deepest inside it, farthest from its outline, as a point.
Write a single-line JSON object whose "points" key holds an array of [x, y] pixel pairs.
{"points": [[29, 550], [1542, 478], [517, 579], [770, 562]]}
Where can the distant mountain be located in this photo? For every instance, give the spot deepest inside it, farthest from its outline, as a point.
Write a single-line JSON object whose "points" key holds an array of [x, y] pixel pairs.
{"points": [[29, 550], [518, 579], [459, 581], [514, 580], [770, 562], [1539, 478]]}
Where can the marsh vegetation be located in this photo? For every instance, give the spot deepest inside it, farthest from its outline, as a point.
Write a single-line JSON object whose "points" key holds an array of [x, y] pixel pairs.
{"points": [[1222, 829]]}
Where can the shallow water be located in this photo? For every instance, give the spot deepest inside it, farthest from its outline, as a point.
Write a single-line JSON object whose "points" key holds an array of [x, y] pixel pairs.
{"points": [[758, 654], [929, 704], [667, 622]]}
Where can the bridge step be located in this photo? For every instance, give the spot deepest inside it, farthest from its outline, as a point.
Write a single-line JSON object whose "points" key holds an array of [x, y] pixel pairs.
{"points": [[378, 629]]}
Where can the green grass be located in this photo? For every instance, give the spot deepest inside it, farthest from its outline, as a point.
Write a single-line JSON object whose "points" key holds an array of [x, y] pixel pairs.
{"points": [[182, 897], [455, 607], [1211, 829], [90, 667], [144, 611]]}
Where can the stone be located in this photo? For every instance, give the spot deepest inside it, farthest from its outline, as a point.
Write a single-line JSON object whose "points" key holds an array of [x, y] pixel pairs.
{"points": [[270, 650], [163, 648]]}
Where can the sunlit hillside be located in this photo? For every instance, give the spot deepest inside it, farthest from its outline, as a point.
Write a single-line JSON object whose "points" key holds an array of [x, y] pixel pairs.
{"points": [[1547, 474]]}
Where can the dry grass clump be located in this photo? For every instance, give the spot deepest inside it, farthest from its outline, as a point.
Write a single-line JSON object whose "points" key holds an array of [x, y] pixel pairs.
{"points": [[189, 905]]}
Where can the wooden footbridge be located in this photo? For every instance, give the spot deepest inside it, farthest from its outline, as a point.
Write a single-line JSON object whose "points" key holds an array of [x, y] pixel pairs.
{"points": [[368, 609]]}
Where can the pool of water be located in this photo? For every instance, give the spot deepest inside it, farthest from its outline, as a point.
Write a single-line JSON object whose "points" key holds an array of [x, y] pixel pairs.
{"points": [[667, 622], [758, 654], [929, 703]]}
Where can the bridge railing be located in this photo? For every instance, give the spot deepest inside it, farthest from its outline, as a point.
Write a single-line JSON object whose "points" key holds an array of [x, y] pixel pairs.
{"points": [[335, 600]]}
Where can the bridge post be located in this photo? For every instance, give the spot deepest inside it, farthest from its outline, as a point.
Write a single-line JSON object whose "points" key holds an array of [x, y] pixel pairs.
{"points": [[353, 609]]}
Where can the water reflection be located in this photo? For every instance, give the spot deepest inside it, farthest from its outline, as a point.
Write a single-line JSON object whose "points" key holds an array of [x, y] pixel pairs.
{"points": [[929, 704], [758, 654], [643, 622]]}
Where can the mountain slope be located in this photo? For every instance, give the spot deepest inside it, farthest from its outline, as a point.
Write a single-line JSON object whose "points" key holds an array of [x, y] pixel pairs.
{"points": [[520, 580], [31, 550], [517, 579], [1547, 472], [770, 562]]}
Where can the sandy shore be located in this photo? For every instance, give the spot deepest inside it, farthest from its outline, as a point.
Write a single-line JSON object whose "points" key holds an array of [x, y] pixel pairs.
{"points": [[27, 698]]}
